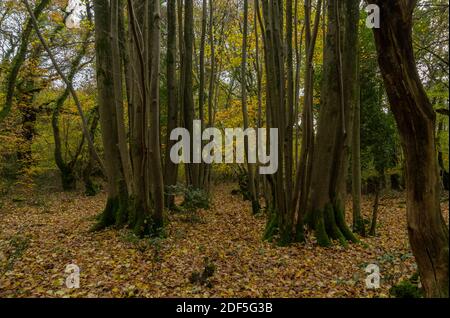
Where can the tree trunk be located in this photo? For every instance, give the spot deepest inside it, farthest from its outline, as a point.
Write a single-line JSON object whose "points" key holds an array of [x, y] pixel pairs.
{"points": [[352, 98], [326, 207], [250, 167], [90, 188], [191, 169], [116, 12], [155, 151], [373, 224], [141, 217], [116, 209], [304, 166], [358, 222], [415, 119], [170, 168], [201, 94], [212, 79]]}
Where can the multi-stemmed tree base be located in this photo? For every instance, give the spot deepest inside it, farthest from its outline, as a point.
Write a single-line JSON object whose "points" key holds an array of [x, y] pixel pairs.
{"points": [[125, 212], [329, 224]]}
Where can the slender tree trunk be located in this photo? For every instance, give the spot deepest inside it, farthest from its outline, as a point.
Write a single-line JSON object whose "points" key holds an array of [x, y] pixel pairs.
{"points": [[90, 188], [212, 80], [258, 179], [289, 154], [117, 203], [155, 150], [358, 222], [170, 168], [191, 169], [373, 224], [350, 57], [201, 94], [250, 167], [304, 167], [298, 58], [116, 12]]}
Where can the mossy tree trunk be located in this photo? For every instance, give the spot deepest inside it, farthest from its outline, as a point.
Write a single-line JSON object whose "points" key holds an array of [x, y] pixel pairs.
{"points": [[287, 192], [116, 210], [148, 200], [327, 199]]}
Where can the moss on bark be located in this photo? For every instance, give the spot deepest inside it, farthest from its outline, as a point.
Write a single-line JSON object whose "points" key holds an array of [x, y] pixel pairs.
{"points": [[122, 212], [329, 224], [271, 227], [107, 217]]}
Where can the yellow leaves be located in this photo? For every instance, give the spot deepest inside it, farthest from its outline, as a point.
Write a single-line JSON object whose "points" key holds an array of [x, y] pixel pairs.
{"points": [[231, 116], [56, 17], [299, 273]]}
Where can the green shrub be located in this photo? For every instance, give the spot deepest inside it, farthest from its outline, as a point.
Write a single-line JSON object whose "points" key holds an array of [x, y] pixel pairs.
{"points": [[408, 288], [194, 198]]}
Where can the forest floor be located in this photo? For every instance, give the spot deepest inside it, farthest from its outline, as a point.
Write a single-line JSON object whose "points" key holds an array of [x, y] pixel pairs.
{"points": [[41, 233]]}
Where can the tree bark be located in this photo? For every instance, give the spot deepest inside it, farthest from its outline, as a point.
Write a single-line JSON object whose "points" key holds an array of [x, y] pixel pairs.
{"points": [[191, 169], [250, 167], [116, 12], [116, 210], [326, 206], [155, 151], [170, 168], [358, 222], [141, 216], [352, 99], [304, 166], [373, 224], [415, 119]]}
